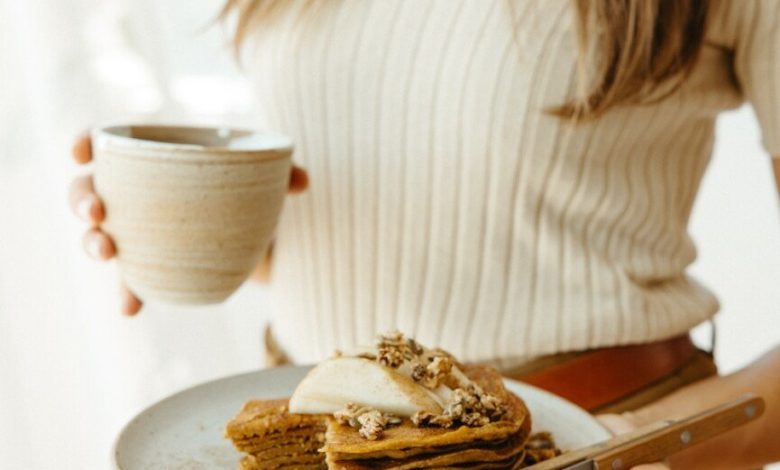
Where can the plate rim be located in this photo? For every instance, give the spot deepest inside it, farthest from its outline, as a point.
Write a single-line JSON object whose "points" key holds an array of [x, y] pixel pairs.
{"points": [[551, 396]]}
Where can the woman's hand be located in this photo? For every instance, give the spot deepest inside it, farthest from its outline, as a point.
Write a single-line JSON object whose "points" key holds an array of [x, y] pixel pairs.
{"points": [[750, 446], [86, 204]]}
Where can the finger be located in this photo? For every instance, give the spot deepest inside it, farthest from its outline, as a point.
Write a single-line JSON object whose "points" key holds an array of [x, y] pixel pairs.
{"points": [[131, 304], [82, 149], [299, 180], [616, 423], [651, 466], [84, 202], [98, 245]]}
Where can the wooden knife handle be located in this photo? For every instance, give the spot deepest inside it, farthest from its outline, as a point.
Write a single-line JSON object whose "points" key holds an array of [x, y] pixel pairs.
{"points": [[680, 434], [574, 456]]}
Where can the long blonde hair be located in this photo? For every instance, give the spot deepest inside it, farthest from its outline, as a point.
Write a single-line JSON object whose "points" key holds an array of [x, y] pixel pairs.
{"points": [[628, 49]]}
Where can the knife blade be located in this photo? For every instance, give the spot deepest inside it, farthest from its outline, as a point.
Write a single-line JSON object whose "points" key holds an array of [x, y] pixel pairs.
{"points": [[584, 465]]}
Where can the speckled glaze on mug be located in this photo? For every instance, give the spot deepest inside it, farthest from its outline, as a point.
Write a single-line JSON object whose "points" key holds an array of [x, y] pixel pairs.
{"points": [[191, 210]]}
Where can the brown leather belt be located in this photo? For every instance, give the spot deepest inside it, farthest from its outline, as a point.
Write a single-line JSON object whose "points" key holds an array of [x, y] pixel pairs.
{"points": [[592, 379]]}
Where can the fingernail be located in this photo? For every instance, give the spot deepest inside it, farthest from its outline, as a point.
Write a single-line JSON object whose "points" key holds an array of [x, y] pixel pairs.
{"points": [[128, 309], [130, 305]]}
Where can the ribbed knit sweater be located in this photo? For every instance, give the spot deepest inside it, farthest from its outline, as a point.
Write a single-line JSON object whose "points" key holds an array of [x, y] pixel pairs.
{"points": [[447, 203]]}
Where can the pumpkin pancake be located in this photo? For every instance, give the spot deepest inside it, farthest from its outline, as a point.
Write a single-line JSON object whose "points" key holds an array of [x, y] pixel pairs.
{"points": [[250, 462], [508, 451], [274, 438], [346, 442], [407, 446], [292, 439], [259, 418], [511, 463]]}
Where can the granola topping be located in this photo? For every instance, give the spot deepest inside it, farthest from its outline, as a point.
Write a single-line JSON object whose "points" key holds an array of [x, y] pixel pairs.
{"points": [[470, 406], [467, 405], [434, 373], [444, 397], [393, 349], [540, 447], [429, 367], [370, 422]]}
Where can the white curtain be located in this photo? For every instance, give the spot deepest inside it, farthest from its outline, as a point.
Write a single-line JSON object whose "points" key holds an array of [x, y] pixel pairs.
{"points": [[72, 370]]}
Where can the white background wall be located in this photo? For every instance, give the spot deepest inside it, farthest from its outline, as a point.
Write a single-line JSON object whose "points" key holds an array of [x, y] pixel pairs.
{"points": [[736, 225], [72, 370]]}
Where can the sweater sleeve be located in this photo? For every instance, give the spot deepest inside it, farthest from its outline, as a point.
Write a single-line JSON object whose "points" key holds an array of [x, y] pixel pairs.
{"points": [[757, 63]]}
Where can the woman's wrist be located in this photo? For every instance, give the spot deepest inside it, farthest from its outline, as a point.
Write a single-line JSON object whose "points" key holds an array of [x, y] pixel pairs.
{"points": [[262, 272]]}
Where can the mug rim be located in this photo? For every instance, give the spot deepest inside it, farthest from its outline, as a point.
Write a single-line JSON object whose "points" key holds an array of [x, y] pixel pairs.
{"points": [[112, 132]]}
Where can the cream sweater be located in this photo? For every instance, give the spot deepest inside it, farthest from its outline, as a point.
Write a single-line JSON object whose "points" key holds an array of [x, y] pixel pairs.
{"points": [[446, 203]]}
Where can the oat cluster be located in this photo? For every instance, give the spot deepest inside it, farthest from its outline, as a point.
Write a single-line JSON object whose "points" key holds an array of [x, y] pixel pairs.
{"points": [[393, 349], [470, 406], [434, 373], [540, 447], [430, 368], [370, 422]]}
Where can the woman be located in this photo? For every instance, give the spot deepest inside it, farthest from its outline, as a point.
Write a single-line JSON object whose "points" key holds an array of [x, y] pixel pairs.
{"points": [[511, 180]]}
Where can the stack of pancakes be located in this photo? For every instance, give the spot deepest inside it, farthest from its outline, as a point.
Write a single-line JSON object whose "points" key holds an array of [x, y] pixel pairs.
{"points": [[275, 438], [272, 437]]}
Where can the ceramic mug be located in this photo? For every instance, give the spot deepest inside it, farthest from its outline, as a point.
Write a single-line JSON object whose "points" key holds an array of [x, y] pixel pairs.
{"points": [[191, 210]]}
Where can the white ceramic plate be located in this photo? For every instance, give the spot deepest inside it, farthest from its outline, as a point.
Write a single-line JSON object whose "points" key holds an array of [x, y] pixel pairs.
{"points": [[184, 431]]}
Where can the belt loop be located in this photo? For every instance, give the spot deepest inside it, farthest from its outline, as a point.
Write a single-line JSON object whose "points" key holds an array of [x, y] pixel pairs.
{"points": [[274, 354]]}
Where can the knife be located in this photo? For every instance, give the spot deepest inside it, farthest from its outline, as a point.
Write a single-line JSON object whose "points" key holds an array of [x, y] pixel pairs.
{"points": [[656, 441]]}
